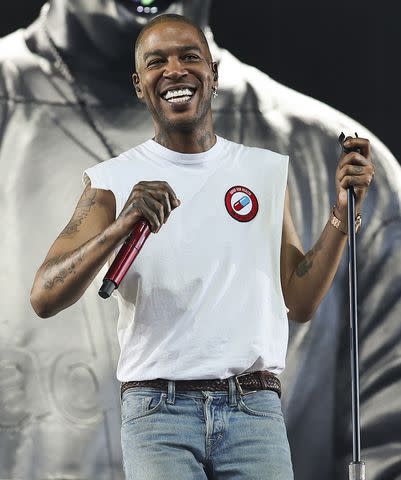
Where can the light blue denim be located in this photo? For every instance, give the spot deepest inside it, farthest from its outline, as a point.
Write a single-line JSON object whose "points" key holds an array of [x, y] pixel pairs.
{"points": [[199, 435]]}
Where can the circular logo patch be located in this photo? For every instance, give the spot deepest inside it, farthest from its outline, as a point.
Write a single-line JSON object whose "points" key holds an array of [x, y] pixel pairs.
{"points": [[241, 203]]}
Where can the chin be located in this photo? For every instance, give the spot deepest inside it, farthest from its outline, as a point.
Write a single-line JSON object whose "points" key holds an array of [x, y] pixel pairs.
{"points": [[185, 125], [185, 121]]}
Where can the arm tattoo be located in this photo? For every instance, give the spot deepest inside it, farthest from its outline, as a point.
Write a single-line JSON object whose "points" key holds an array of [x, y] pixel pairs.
{"points": [[102, 239], [306, 264], [57, 269], [81, 212]]}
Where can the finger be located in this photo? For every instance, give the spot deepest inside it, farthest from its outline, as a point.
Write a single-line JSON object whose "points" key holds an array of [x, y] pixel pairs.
{"points": [[352, 170], [149, 183], [150, 215], [362, 143], [163, 198], [167, 205], [159, 211], [355, 181], [161, 184], [347, 138], [342, 140], [174, 202], [353, 158]]}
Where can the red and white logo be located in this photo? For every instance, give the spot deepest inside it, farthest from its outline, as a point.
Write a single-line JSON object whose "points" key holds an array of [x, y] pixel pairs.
{"points": [[241, 203]]}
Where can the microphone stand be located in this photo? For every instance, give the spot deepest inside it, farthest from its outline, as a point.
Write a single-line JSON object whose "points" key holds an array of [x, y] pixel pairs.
{"points": [[356, 469]]}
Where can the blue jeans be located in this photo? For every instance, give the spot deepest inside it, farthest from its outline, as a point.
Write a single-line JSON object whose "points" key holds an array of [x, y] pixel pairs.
{"points": [[194, 435]]}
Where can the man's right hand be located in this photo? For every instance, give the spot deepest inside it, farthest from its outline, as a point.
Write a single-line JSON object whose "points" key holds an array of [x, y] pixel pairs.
{"points": [[153, 201]]}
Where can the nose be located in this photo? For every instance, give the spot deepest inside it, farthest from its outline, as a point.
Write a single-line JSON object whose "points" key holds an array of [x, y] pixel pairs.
{"points": [[174, 69]]}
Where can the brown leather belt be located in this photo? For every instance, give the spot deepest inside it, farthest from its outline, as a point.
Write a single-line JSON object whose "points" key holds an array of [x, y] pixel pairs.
{"points": [[260, 380]]}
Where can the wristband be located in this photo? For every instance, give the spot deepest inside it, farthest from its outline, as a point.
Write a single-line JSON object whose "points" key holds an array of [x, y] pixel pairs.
{"points": [[342, 226]]}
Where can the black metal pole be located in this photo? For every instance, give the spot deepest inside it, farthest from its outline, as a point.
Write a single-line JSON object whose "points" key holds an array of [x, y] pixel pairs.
{"points": [[356, 469]]}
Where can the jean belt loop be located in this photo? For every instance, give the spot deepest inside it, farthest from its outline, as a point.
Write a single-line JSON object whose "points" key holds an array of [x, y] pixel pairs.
{"points": [[171, 392], [232, 392]]}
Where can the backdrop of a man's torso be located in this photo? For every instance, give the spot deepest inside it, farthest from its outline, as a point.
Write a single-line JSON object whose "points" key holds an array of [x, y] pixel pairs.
{"points": [[59, 398]]}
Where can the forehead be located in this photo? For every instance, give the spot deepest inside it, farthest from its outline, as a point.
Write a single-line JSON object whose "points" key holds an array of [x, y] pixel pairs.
{"points": [[170, 36]]}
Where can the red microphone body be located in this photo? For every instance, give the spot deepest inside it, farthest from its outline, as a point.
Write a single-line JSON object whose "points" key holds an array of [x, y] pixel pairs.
{"points": [[127, 254]]}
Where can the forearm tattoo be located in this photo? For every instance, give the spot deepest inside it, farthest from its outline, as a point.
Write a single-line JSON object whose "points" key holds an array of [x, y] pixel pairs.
{"points": [[57, 269], [81, 212]]}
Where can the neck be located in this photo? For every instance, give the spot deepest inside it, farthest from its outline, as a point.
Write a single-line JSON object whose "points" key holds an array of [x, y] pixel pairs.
{"points": [[190, 141], [90, 41]]}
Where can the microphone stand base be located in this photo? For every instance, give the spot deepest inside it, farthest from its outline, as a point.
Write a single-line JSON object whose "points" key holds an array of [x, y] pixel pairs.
{"points": [[356, 471]]}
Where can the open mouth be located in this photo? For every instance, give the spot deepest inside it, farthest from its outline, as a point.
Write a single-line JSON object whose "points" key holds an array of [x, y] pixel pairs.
{"points": [[178, 95]]}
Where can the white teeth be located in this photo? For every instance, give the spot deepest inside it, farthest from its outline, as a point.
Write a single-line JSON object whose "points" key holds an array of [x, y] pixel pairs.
{"points": [[179, 99], [178, 93]]}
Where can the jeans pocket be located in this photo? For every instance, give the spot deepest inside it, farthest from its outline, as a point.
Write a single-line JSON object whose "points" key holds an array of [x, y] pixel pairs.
{"points": [[263, 403], [136, 405]]}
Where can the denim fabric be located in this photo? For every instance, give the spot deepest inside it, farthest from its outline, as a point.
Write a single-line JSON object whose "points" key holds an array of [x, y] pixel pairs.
{"points": [[199, 435]]}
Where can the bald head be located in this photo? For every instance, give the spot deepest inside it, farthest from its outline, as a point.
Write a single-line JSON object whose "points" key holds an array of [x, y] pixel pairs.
{"points": [[167, 18]]}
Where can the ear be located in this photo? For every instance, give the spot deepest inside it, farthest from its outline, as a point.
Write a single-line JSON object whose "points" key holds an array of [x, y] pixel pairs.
{"points": [[215, 72], [137, 84]]}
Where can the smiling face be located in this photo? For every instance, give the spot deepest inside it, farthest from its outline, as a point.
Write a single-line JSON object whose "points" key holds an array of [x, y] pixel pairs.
{"points": [[175, 76]]}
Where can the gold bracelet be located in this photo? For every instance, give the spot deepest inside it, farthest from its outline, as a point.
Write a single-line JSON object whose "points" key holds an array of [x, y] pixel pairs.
{"points": [[337, 223]]}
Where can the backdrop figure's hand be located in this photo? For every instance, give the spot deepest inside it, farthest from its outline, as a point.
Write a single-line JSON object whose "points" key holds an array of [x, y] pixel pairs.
{"points": [[357, 169]]}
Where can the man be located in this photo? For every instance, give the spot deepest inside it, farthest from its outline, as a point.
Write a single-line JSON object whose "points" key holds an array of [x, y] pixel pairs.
{"points": [[64, 397], [176, 78]]}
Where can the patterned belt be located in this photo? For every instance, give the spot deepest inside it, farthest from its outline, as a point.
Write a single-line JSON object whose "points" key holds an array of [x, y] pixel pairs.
{"points": [[260, 380]]}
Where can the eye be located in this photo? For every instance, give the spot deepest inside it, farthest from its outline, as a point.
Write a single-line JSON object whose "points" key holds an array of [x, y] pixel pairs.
{"points": [[191, 56], [154, 62]]}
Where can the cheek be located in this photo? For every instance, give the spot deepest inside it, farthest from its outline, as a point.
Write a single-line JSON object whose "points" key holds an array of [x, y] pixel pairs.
{"points": [[208, 86], [149, 87], [151, 98]]}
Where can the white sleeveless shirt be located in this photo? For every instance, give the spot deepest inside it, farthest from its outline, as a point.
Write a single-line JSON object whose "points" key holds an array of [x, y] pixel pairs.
{"points": [[203, 298]]}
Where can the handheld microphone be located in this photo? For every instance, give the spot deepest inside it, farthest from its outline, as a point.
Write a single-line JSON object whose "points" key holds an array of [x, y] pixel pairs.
{"points": [[127, 254]]}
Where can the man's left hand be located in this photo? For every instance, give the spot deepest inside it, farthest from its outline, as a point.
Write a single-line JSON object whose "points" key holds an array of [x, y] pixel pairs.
{"points": [[356, 169]]}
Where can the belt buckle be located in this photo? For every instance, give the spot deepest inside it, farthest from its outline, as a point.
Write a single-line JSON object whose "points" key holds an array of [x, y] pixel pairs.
{"points": [[241, 392]]}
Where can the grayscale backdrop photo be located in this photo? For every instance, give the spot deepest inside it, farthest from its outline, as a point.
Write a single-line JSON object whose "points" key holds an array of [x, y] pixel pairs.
{"points": [[292, 77]]}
